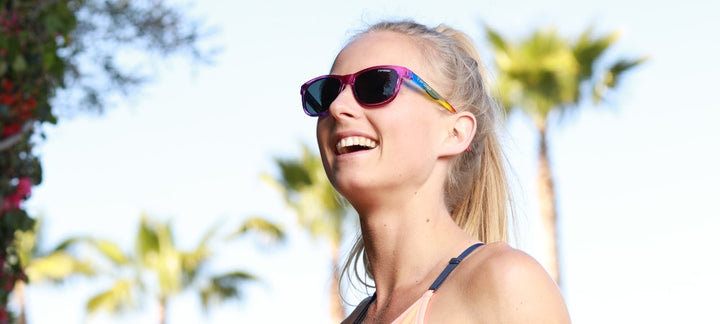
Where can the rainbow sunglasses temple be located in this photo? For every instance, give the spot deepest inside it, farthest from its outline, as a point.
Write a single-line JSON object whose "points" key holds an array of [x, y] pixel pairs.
{"points": [[410, 75]]}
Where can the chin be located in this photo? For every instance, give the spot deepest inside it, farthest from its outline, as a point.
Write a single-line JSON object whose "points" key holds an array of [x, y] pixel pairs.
{"points": [[351, 188]]}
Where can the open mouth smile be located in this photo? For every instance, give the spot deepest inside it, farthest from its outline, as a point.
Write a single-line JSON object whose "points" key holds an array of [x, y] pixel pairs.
{"points": [[354, 144]]}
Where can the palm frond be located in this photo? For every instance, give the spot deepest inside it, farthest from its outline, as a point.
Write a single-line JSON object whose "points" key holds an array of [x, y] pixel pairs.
{"points": [[56, 267], [114, 300], [209, 235], [545, 72], [305, 188], [612, 76], [147, 242], [496, 40], [588, 49], [110, 250], [193, 261], [271, 231], [293, 175], [68, 243], [223, 287]]}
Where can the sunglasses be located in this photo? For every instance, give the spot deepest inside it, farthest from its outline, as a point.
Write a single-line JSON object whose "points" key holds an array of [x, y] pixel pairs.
{"points": [[371, 87]]}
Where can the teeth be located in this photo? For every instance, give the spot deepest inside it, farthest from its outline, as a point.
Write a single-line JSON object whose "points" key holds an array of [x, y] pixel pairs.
{"points": [[344, 144]]}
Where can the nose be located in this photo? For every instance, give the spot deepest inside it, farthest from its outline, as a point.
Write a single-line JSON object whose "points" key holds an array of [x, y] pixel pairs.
{"points": [[345, 105]]}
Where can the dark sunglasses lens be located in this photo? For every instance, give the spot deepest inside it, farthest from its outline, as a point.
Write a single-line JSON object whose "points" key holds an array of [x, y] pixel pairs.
{"points": [[376, 86], [320, 94]]}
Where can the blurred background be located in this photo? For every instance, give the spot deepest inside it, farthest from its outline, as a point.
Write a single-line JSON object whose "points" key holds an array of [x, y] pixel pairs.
{"points": [[636, 176]]}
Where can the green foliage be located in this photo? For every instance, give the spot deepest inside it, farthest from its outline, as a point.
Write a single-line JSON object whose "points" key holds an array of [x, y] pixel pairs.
{"points": [[545, 72], [68, 47], [269, 230], [158, 269], [56, 265], [107, 248], [320, 210], [223, 287], [114, 300], [305, 188]]}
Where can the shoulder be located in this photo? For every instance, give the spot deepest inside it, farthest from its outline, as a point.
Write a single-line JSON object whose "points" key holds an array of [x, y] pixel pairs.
{"points": [[505, 266], [501, 284]]}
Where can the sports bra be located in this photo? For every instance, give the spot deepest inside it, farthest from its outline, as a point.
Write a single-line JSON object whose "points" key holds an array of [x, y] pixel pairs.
{"points": [[415, 314]]}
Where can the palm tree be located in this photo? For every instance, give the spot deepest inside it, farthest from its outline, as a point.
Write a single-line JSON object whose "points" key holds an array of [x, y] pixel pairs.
{"points": [[320, 210], [159, 269], [55, 266], [545, 75]]}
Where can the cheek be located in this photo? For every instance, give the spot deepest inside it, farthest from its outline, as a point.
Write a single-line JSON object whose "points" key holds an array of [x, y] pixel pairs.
{"points": [[322, 133], [411, 138]]}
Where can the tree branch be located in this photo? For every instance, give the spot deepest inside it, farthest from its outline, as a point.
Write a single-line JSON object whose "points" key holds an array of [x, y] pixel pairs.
{"points": [[13, 139]]}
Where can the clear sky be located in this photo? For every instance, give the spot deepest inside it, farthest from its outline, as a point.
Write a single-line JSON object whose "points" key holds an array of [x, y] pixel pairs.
{"points": [[637, 179]]}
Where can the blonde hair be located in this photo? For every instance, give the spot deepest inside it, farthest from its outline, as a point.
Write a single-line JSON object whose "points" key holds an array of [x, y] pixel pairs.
{"points": [[476, 189]]}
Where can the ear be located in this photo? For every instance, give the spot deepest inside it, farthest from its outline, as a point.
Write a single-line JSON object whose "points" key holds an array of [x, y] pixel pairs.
{"points": [[462, 127]]}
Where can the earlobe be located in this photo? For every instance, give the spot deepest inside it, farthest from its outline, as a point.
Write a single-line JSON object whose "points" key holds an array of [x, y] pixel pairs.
{"points": [[460, 135]]}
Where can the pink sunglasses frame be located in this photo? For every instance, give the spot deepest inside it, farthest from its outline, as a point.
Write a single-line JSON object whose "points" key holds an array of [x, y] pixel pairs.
{"points": [[403, 73]]}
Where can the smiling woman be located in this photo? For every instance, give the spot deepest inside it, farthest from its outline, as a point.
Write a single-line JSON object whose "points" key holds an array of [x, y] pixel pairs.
{"points": [[421, 163]]}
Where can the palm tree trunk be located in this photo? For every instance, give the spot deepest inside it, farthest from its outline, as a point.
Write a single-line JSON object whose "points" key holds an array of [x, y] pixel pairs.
{"points": [[163, 310], [19, 292], [548, 212], [337, 311]]}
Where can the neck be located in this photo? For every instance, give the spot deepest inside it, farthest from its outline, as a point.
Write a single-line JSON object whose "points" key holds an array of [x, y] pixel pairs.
{"points": [[409, 243]]}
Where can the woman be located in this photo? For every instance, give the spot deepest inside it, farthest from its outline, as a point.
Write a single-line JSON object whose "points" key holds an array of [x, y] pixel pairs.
{"points": [[407, 134]]}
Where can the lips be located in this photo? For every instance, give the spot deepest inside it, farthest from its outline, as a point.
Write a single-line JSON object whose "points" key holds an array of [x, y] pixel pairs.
{"points": [[352, 144]]}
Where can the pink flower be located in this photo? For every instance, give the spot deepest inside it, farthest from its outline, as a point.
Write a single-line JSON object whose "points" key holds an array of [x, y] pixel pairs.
{"points": [[4, 317], [22, 191], [11, 202], [8, 130], [9, 284], [24, 186]]}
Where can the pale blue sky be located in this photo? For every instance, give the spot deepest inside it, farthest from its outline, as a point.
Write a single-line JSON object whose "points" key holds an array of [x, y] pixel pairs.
{"points": [[637, 180]]}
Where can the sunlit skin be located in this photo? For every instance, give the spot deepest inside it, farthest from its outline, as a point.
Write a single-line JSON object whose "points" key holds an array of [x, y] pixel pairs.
{"points": [[397, 189]]}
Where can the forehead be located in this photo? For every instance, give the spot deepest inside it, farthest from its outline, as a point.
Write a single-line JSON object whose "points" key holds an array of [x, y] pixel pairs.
{"points": [[379, 48]]}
